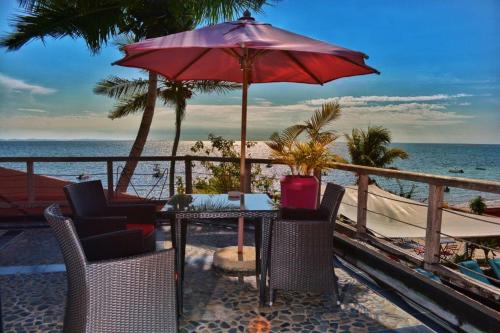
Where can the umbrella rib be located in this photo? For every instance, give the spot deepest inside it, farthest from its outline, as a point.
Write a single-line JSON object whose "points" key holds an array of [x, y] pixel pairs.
{"points": [[304, 68], [232, 53], [118, 62], [191, 63], [359, 65]]}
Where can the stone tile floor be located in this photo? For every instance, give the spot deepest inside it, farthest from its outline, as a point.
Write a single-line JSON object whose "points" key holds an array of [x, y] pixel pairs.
{"points": [[33, 286]]}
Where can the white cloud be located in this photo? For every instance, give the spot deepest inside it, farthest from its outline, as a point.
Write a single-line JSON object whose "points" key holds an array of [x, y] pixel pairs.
{"points": [[17, 85], [31, 110], [404, 118], [363, 100]]}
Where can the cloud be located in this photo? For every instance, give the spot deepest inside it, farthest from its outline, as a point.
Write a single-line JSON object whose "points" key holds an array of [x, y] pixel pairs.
{"points": [[408, 120], [31, 110], [363, 100], [17, 85]]}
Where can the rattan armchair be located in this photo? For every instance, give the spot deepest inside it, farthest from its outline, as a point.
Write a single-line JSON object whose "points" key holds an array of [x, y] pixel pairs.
{"points": [[134, 294], [93, 214], [301, 256]]}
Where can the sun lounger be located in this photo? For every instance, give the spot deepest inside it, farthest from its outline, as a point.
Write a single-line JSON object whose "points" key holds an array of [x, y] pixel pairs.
{"points": [[471, 268], [495, 265]]}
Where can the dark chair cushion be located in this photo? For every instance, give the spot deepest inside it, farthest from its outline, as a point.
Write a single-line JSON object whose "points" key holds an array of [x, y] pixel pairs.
{"points": [[93, 215], [86, 198], [90, 226], [113, 245], [303, 214]]}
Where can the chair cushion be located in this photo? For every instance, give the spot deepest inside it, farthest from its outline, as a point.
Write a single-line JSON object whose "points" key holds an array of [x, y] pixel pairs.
{"points": [[495, 265], [146, 228], [472, 269]]}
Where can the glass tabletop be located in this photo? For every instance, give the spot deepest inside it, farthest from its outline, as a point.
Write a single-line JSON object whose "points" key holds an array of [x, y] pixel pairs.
{"points": [[219, 203]]}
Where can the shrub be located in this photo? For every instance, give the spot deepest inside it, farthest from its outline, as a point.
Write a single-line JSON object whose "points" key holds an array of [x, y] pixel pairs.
{"points": [[477, 205], [225, 176]]}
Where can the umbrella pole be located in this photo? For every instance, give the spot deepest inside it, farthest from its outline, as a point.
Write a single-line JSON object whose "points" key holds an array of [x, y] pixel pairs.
{"points": [[243, 144]]}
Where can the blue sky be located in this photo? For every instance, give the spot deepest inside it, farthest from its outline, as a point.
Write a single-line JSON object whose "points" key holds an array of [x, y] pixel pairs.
{"points": [[439, 83]]}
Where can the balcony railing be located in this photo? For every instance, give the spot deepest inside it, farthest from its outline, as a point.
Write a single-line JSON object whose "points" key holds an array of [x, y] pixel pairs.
{"points": [[436, 184]]}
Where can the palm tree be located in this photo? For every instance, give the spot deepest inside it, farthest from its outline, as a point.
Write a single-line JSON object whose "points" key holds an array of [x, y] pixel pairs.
{"points": [[99, 21], [309, 157], [132, 98], [370, 148]]}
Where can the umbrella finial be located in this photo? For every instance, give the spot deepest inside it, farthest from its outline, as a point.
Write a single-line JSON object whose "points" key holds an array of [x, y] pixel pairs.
{"points": [[247, 16]]}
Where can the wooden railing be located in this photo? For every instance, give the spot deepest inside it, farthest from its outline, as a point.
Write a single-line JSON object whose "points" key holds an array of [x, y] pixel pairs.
{"points": [[109, 160], [435, 196]]}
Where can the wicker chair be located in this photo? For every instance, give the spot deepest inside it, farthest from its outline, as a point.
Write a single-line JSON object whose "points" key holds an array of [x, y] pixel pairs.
{"points": [[94, 215], [134, 294], [302, 255]]}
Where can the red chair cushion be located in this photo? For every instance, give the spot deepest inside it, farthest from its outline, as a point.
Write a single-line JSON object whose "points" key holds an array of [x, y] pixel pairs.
{"points": [[146, 228]]}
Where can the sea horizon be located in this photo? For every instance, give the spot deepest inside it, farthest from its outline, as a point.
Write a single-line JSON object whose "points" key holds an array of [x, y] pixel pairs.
{"points": [[236, 140], [477, 161]]}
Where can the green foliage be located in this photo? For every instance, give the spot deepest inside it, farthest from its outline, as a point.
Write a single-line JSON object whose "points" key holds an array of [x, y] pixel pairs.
{"points": [[179, 184], [131, 94], [477, 205], [306, 158], [224, 176], [97, 22], [370, 148]]}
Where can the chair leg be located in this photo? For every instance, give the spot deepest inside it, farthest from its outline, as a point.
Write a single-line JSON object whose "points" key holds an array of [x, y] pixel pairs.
{"points": [[172, 232], [336, 295], [272, 296]]}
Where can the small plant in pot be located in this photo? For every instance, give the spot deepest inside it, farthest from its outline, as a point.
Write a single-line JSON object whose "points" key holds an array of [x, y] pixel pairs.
{"points": [[307, 158]]}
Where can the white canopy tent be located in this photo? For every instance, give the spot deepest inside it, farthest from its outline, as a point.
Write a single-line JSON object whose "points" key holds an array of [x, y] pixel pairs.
{"points": [[396, 208]]}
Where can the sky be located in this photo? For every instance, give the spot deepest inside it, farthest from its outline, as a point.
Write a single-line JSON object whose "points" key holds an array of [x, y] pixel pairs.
{"points": [[439, 79]]}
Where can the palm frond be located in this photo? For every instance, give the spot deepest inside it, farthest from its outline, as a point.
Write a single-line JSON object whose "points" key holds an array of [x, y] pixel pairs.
{"points": [[370, 147], [167, 96], [127, 106], [59, 18], [392, 154], [124, 39], [211, 86], [213, 11], [29, 4], [116, 87], [322, 117]]}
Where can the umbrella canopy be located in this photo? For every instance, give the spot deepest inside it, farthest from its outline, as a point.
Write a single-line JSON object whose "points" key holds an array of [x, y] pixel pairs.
{"points": [[219, 52], [244, 51]]}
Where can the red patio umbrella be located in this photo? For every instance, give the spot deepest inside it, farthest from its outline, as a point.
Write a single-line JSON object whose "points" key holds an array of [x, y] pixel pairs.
{"points": [[244, 51]]}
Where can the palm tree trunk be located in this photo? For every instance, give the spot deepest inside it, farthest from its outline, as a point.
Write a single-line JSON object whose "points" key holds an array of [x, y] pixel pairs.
{"points": [[142, 135], [175, 146]]}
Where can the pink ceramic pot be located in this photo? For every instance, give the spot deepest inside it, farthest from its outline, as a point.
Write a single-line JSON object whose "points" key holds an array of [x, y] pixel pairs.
{"points": [[299, 191]]}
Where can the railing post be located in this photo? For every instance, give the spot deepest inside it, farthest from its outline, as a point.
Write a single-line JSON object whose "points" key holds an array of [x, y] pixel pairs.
{"points": [[433, 231], [30, 183], [362, 204], [109, 171], [188, 175], [248, 175]]}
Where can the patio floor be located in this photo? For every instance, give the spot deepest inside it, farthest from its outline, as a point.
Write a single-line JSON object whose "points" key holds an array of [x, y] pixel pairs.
{"points": [[33, 286]]}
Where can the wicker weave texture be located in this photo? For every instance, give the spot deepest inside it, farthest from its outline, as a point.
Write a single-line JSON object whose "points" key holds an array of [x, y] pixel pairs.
{"points": [[301, 255], [135, 294]]}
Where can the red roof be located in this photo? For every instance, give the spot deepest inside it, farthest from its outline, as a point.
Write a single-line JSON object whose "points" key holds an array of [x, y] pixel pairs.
{"points": [[14, 192]]}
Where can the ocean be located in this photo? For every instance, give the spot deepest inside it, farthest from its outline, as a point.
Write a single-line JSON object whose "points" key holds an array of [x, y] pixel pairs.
{"points": [[476, 161]]}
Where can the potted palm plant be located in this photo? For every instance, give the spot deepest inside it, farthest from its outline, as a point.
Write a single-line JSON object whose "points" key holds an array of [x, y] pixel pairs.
{"points": [[305, 158]]}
